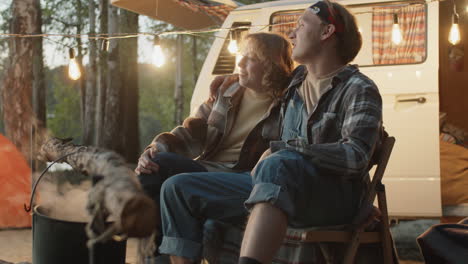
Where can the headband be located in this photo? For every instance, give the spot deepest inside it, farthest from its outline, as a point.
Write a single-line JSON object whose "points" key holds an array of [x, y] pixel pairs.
{"points": [[322, 10]]}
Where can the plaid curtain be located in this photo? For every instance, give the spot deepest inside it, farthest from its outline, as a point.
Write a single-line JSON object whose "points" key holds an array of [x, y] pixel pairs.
{"points": [[283, 23], [412, 21], [216, 11]]}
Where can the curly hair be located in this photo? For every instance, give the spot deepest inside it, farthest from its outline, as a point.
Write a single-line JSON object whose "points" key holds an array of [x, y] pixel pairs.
{"points": [[274, 52]]}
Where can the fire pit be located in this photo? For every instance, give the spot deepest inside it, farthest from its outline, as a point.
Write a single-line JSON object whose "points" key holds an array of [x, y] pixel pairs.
{"points": [[57, 242]]}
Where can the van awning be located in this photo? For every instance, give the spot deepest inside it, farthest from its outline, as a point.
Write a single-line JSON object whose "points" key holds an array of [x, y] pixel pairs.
{"points": [[187, 14]]}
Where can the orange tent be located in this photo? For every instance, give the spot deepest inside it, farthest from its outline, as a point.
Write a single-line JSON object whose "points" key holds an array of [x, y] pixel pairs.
{"points": [[15, 186]]}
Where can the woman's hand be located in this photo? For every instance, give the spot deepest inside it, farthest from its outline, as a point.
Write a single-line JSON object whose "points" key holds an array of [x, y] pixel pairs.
{"points": [[221, 83], [145, 162]]}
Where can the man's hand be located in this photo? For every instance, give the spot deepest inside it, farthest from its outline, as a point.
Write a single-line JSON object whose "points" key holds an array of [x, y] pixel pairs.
{"points": [[145, 162], [221, 83], [264, 156]]}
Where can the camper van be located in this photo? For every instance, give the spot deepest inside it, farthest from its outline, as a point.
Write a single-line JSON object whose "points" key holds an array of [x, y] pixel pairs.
{"points": [[411, 77]]}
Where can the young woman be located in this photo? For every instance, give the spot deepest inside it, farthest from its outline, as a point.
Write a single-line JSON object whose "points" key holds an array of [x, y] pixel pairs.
{"points": [[230, 133]]}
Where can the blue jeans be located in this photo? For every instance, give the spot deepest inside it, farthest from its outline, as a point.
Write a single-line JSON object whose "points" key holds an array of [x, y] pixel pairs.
{"points": [[189, 199], [169, 165], [286, 179]]}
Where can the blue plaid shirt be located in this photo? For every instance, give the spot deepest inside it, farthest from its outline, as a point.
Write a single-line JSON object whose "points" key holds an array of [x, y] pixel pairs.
{"points": [[344, 128]]}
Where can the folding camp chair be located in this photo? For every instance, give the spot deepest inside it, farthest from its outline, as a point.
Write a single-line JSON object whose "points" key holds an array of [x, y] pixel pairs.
{"points": [[356, 233]]}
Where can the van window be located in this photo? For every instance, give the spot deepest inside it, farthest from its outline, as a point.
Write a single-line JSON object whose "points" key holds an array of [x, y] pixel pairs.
{"points": [[375, 23], [226, 62], [284, 22]]}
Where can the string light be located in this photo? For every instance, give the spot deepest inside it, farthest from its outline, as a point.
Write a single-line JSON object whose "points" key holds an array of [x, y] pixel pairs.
{"points": [[454, 35], [105, 45], [396, 32], [397, 37], [232, 44], [158, 56], [73, 68]]}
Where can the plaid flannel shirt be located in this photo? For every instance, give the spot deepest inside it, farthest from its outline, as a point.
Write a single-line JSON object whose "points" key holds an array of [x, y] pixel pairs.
{"points": [[345, 126], [200, 137]]}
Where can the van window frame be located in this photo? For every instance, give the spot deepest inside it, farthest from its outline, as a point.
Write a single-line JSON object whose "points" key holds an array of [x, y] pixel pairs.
{"points": [[234, 28], [373, 5]]}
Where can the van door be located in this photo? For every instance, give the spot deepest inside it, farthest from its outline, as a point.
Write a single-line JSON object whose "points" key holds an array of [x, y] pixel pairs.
{"points": [[408, 81]]}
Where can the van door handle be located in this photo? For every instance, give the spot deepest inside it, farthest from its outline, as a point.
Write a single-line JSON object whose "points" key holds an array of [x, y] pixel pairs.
{"points": [[420, 100]]}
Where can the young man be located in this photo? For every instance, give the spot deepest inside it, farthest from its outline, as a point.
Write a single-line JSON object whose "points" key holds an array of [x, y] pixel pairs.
{"points": [[332, 119], [331, 125]]}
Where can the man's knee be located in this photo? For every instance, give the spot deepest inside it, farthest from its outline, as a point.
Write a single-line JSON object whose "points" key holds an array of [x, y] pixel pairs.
{"points": [[284, 163], [282, 157]]}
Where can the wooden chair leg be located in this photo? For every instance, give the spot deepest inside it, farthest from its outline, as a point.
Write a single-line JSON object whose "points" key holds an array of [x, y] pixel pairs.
{"points": [[352, 248], [385, 232]]}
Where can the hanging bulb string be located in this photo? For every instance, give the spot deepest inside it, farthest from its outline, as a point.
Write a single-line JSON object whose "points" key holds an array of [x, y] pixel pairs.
{"points": [[57, 42], [98, 36], [190, 32], [455, 9], [454, 34]]}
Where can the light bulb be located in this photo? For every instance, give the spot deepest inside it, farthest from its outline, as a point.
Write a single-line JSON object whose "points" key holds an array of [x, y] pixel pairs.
{"points": [[396, 32], [158, 56], [233, 46], [73, 68], [454, 35]]}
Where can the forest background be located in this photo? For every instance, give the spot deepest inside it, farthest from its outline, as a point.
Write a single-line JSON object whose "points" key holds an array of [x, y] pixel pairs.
{"points": [[121, 101]]}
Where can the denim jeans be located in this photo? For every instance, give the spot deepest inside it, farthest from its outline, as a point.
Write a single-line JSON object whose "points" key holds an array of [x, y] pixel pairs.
{"points": [[169, 165], [288, 180], [189, 199], [285, 179]]}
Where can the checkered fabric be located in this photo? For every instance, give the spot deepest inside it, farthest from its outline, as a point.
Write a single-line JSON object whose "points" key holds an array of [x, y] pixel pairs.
{"points": [[412, 22], [217, 11]]}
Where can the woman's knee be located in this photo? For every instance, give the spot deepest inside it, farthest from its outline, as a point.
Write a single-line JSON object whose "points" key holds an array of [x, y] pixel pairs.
{"points": [[174, 185], [166, 158]]}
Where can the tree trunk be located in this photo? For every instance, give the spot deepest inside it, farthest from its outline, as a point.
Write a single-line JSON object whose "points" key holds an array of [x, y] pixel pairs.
{"points": [[79, 60], [129, 93], [101, 94], [91, 90], [178, 90], [112, 131], [118, 190], [18, 81], [38, 90], [194, 60]]}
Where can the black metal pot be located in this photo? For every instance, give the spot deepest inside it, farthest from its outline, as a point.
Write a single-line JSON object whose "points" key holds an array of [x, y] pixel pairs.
{"points": [[59, 242]]}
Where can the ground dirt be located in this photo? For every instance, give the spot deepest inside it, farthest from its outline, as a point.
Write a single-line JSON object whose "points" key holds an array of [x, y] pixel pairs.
{"points": [[16, 247]]}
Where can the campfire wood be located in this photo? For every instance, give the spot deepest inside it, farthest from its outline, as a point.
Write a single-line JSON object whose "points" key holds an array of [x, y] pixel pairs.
{"points": [[118, 192]]}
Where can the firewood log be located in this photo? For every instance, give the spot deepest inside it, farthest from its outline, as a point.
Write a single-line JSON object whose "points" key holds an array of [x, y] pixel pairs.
{"points": [[133, 212]]}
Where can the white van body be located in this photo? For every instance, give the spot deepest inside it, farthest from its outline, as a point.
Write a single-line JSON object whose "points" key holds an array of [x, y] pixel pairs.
{"points": [[412, 177]]}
